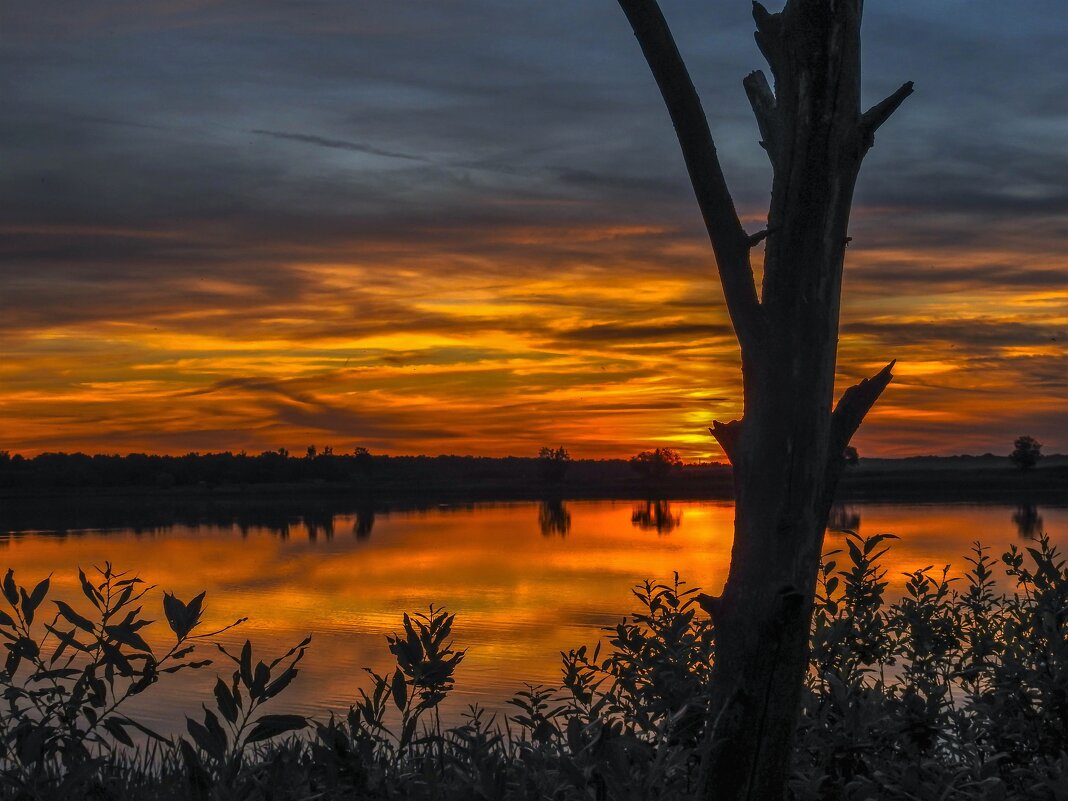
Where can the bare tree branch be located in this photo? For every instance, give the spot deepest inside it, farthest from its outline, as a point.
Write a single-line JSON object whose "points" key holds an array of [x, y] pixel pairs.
{"points": [[760, 236], [729, 240], [727, 435], [854, 404], [762, 99], [874, 117], [769, 36]]}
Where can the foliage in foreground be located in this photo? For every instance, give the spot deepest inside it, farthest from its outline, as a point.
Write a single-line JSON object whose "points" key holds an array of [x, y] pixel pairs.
{"points": [[956, 691]]}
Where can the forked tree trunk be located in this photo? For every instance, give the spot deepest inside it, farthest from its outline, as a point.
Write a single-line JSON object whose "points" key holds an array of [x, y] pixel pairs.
{"points": [[787, 450]]}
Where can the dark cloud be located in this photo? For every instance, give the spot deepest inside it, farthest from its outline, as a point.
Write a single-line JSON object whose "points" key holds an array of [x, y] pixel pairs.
{"points": [[973, 334], [337, 144], [929, 278], [288, 404]]}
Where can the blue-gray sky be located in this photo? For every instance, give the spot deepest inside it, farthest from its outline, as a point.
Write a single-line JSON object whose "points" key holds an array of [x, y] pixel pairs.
{"points": [[464, 226]]}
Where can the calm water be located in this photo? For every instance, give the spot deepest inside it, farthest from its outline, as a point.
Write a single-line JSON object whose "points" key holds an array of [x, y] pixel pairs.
{"points": [[526, 581]]}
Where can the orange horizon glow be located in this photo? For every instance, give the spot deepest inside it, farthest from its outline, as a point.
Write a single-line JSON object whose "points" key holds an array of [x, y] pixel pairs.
{"points": [[607, 340]]}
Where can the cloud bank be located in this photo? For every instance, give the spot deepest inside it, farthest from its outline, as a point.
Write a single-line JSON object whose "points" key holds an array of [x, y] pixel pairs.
{"points": [[466, 227]]}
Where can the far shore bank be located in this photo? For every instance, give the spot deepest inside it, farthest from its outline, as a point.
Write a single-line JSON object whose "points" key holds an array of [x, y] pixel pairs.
{"points": [[872, 481]]}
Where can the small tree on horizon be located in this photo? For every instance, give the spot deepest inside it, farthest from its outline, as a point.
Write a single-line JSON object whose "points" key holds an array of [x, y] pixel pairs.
{"points": [[656, 464], [1028, 451], [553, 464]]}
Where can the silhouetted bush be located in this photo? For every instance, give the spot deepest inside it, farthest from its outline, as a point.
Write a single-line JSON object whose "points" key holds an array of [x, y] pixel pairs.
{"points": [[957, 690], [553, 464], [656, 465], [1026, 452]]}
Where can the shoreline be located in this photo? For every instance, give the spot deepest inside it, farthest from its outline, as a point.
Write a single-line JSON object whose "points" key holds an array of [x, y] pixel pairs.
{"points": [[276, 504], [885, 480]]}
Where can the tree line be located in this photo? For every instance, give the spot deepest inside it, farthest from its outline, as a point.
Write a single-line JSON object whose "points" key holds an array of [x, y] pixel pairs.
{"points": [[325, 466]]}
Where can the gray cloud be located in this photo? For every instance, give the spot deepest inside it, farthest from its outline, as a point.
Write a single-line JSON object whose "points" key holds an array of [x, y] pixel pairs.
{"points": [[976, 334], [337, 144]]}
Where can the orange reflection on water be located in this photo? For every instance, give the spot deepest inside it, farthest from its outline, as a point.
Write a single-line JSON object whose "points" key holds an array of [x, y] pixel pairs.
{"points": [[525, 580]]}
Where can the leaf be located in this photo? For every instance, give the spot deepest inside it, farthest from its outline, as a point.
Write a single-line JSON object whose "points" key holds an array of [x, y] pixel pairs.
{"points": [[259, 680], [245, 664], [181, 617], [174, 611], [115, 729], [280, 683], [83, 623], [400, 690], [124, 597], [61, 673], [225, 701], [113, 656], [415, 647], [193, 611], [145, 730], [272, 725], [88, 590], [24, 646], [6, 619], [66, 639], [27, 607], [298, 647], [210, 736], [10, 590], [871, 542], [200, 735], [124, 634], [218, 734], [190, 665], [854, 552]]}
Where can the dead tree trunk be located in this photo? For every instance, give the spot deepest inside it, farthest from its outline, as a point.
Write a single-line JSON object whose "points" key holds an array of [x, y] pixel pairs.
{"points": [[787, 450]]}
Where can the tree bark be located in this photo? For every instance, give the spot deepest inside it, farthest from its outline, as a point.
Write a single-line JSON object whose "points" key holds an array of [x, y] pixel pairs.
{"points": [[787, 450]]}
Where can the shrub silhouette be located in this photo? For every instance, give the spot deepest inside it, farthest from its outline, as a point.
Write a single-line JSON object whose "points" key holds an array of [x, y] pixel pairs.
{"points": [[656, 465], [1026, 452], [553, 464], [956, 690]]}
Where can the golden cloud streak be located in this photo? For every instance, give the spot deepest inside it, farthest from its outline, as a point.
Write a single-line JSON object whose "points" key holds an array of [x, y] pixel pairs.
{"points": [[604, 362]]}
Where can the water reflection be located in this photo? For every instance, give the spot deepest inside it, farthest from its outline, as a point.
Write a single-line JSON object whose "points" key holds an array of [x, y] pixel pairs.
{"points": [[844, 517], [1028, 521], [522, 592], [655, 515], [319, 522], [364, 522], [554, 518]]}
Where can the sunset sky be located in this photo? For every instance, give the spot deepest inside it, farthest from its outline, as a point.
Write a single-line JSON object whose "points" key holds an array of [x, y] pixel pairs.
{"points": [[464, 226]]}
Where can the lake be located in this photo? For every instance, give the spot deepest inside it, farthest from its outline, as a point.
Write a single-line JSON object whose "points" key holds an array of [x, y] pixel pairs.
{"points": [[526, 580]]}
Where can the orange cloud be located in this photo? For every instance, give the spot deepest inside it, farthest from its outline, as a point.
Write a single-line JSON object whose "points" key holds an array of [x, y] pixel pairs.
{"points": [[409, 352]]}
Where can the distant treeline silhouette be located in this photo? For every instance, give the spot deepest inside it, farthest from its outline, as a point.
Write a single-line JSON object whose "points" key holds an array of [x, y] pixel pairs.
{"points": [[357, 469], [362, 477]]}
